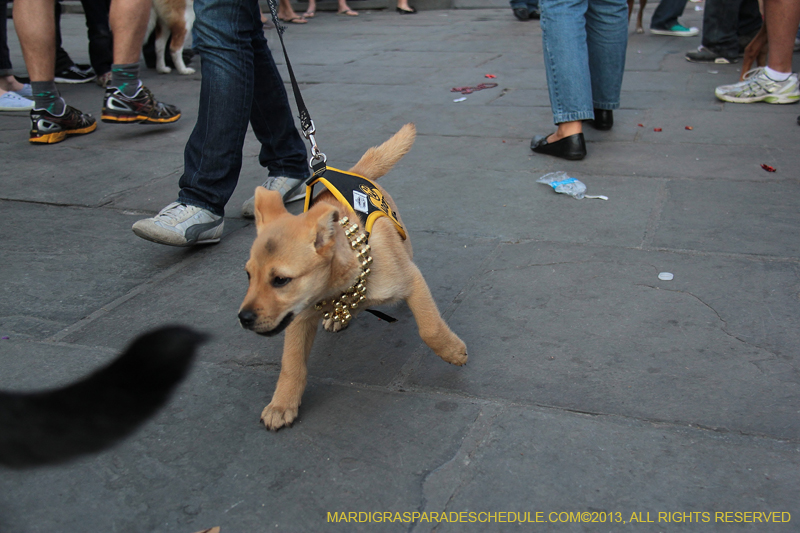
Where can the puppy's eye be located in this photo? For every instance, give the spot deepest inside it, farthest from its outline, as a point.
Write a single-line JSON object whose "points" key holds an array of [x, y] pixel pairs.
{"points": [[278, 281]]}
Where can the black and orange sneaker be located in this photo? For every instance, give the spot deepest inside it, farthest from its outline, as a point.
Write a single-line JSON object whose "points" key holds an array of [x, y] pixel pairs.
{"points": [[140, 108], [47, 128]]}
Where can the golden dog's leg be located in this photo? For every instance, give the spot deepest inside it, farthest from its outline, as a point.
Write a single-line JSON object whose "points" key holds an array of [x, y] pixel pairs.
{"points": [[282, 410], [432, 328]]}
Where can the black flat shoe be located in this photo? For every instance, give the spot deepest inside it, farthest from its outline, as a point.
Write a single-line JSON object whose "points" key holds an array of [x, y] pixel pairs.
{"points": [[406, 11], [603, 119], [572, 147]]}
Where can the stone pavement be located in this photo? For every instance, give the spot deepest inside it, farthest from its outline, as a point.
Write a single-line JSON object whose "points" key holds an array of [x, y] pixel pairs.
{"points": [[592, 385]]}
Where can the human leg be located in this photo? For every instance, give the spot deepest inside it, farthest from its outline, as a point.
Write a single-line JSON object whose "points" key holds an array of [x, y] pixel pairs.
{"points": [[720, 25], [283, 151], [7, 80], [240, 84], [98, 31], [775, 83], [749, 22], [566, 58], [607, 41], [665, 19], [344, 9], [34, 21], [782, 18], [566, 61], [126, 100], [287, 14], [667, 13]]}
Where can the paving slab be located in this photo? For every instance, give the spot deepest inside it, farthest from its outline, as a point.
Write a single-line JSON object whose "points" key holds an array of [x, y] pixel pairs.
{"points": [[206, 461], [661, 468], [589, 329]]}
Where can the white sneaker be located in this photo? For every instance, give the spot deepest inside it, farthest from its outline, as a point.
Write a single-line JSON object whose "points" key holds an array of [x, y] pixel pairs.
{"points": [[181, 225], [758, 87], [26, 91], [14, 102], [291, 189]]}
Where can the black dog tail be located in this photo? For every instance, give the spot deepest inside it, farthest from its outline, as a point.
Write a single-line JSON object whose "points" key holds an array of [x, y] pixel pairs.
{"points": [[94, 413]]}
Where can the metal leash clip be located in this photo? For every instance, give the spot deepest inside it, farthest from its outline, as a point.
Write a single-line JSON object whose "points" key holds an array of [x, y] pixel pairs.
{"points": [[316, 154]]}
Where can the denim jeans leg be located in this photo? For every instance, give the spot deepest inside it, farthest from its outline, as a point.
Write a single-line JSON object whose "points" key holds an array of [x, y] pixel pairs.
{"points": [[223, 35], [213, 154], [720, 24], [566, 59], [667, 13], [283, 151], [607, 38]]}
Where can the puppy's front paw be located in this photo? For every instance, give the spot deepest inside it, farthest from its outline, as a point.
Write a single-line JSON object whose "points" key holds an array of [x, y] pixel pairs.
{"points": [[275, 417], [455, 354], [186, 71], [163, 70]]}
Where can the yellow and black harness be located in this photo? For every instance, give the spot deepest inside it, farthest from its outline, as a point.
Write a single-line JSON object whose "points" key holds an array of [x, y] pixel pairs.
{"points": [[358, 193]]}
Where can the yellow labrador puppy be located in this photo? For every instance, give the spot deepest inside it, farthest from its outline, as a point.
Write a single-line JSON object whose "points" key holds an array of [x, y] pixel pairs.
{"points": [[328, 263]]}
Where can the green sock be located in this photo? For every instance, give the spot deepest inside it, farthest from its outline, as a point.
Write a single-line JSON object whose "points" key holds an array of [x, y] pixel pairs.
{"points": [[126, 78], [47, 97]]}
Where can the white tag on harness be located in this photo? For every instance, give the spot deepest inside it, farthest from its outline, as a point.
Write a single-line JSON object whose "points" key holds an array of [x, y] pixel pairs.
{"points": [[360, 202]]}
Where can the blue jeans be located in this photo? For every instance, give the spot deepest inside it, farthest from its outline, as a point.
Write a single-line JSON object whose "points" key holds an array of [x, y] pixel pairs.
{"points": [[667, 13], [584, 54], [240, 84]]}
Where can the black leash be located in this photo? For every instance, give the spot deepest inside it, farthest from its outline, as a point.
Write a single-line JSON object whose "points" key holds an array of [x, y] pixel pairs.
{"points": [[318, 159]]}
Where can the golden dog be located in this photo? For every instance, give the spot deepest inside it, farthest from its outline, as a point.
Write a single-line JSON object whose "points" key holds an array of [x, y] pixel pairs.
{"points": [[300, 264], [642, 3], [171, 18]]}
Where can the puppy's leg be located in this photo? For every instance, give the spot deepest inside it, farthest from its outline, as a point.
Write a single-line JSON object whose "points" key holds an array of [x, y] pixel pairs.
{"points": [[162, 34], [630, 10], [639, 28], [282, 410], [755, 51], [432, 328], [176, 47]]}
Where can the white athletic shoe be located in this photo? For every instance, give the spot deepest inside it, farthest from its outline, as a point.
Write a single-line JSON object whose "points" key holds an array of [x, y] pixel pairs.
{"points": [[758, 87], [181, 225], [291, 189]]}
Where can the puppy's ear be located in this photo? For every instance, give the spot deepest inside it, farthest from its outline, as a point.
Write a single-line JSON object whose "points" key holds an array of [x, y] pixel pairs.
{"points": [[326, 220], [268, 206]]}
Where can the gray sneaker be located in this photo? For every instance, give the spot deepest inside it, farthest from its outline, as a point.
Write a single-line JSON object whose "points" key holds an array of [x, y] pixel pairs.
{"points": [[181, 225], [758, 87], [291, 189]]}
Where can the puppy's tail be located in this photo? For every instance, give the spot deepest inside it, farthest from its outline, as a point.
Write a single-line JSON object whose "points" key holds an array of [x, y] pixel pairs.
{"points": [[94, 413], [380, 159]]}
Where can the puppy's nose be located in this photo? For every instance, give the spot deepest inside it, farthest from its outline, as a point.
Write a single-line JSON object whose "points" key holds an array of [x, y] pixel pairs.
{"points": [[247, 318]]}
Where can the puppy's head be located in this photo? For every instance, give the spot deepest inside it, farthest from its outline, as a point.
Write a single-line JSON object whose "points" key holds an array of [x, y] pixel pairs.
{"points": [[292, 263]]}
